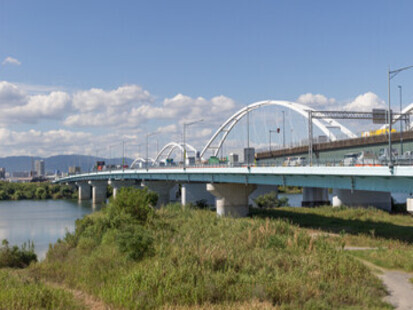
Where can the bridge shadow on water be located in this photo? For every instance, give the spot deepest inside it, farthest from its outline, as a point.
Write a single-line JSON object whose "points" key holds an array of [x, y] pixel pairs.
{"points": [[331, 224]]}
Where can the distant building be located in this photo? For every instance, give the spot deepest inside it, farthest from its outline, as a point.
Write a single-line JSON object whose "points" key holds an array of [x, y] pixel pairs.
{"points": [[249, 155], [21, 174], [39, 167], [74, 170], [2, 173]]}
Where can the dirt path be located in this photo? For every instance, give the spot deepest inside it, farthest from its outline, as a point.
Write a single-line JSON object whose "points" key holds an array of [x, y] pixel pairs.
{"points": [[397, 284], [399, 287], [89, 301]]}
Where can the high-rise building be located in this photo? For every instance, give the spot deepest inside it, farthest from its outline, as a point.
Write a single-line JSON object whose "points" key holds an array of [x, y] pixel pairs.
{"points": [[2, 173], [39, 167]]}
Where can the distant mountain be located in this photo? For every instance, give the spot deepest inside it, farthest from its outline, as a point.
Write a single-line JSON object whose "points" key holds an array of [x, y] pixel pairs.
{"points": [[58, 162]]}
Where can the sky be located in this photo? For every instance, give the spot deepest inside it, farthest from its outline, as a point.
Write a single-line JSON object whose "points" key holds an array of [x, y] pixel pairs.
{"points": [[82, 76]]}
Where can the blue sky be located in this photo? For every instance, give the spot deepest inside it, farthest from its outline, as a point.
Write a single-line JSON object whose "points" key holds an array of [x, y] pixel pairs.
{"points": [[243, 50]]}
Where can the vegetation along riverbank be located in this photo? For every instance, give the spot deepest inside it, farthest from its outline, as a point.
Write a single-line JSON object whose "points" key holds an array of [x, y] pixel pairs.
{"points": [[36, 190], [130, 256]]}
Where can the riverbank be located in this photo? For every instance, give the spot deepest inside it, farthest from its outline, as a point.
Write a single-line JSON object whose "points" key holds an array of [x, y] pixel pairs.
{"points": [[36, 190], [128, 256]]}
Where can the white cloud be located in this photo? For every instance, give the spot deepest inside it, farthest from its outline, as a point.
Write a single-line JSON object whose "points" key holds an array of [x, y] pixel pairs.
{"points": [[51, 106], [44, 143], [365, 102], [316, 100], [11, 61], [11, 95]]}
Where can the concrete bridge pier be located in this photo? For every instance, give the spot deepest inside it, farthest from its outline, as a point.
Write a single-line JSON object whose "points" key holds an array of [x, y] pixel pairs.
{"points": [[99, 190], [346, 197], [262, 190], [83, 190], [193, 192], [231, 198], [117, 184], [315, 196], [162, 188]]}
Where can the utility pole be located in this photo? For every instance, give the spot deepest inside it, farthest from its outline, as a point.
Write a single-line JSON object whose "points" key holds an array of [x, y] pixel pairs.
{"points": [[283, 129], [123, 155], [269, 135], [391, 74], [401, 122], [184, 137]]}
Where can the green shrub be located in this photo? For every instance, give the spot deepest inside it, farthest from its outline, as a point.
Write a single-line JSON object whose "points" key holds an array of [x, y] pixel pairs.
{"points": [[18, 195], [135, 241], [135, 202], [15, 257], [271, 200]]}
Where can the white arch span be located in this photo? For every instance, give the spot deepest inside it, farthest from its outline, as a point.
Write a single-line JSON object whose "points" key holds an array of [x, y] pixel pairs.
{"points": [[301, 109], [141, 160], [172, 146], [406, 110]]}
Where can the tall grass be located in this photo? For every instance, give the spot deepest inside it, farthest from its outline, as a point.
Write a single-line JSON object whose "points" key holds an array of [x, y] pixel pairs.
{"points": [[192, 258], [21, 293]]}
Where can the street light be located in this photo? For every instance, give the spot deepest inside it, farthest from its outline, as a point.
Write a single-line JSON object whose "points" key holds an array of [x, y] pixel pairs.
{"points": [[147, 151], [184, 136], [401, 122], [283, 129], [269, 134], [391, 74]]}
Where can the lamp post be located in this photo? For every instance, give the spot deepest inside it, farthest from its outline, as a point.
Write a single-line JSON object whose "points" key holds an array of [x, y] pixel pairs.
{"points": [[147, 148], [391, 74], [269, 135], [400, 121], [283, 129], [184, 137]]}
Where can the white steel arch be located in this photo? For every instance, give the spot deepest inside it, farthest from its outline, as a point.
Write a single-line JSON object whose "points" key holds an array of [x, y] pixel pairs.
{"points": [[171, 147], [141, 160], [407, 109], [301, 109]]}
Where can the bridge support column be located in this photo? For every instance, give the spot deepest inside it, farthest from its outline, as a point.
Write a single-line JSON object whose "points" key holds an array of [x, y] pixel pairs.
{"points": [[409, 205], [262, 190], [315, 196], [162, 188], [99, 191], [345, 197], [232, 198], [193, 192], [117, 184], [83, 190]]}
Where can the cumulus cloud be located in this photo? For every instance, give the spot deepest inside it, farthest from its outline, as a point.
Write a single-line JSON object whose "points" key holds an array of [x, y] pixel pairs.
{"points": [[316, 100], [35, 142], [365, 102], [51, 106], [11, 61], [97, 99], [11, 95], [130, 106]]}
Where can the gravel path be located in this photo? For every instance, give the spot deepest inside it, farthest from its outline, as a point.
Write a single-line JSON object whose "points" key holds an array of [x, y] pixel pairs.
{"points": [[399, 287]]}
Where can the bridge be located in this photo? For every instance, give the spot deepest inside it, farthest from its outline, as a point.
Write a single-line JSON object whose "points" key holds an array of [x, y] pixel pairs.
{"points": [[231, 186]]}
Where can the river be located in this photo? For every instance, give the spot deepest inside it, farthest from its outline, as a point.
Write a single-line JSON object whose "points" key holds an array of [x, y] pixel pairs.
{"points": [[40, 221]]}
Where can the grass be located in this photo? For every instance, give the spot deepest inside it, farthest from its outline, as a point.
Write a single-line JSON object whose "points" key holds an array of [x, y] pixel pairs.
{"points": [[192, 259], [392, 235], [20, 293]]}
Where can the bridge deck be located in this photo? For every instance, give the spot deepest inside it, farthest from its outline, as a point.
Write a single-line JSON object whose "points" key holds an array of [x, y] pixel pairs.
{"points": [[400, 179]]}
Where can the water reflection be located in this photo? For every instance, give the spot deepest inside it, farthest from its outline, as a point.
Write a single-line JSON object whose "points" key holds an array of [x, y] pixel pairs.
{"points": [[41, 221]]}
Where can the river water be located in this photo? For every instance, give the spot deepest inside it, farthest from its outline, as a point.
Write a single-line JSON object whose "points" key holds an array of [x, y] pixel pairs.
{"points": [[40, 221]]}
